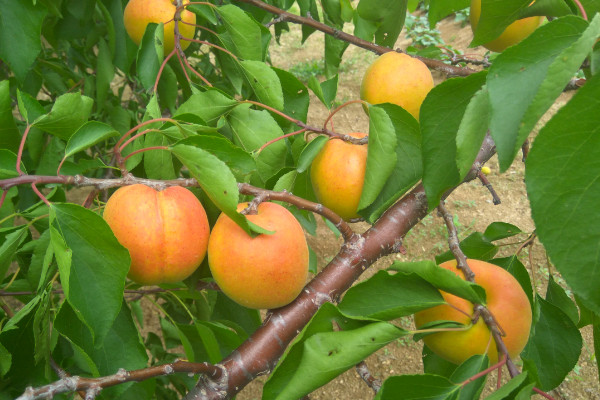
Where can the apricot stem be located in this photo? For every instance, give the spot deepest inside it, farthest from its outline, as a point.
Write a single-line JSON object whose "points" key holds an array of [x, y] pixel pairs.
{"points": [[39, 194], [331, 114], [21, 147], [280, 138]]}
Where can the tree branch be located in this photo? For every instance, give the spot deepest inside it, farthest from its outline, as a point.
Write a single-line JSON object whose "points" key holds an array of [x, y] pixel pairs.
{"points": [[346, 37]]}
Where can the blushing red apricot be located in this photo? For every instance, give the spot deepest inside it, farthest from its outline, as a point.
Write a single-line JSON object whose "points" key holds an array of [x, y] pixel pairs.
{"points": [[266, 271], [166, 232]]}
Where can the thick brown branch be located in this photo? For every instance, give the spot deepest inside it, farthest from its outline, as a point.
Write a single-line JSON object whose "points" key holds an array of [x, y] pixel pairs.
{"points": [[92, 385], [259, 354], [346, 37]]}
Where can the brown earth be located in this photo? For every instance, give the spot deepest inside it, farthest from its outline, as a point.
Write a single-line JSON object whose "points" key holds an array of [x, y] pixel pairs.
{"points": [[471, 203]]}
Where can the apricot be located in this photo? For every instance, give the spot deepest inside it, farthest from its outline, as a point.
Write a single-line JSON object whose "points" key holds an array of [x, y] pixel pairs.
{"points": [[506, 300], [338, 173], [266, 271], [139, 13], [399, 79], [166, 232], [513, 33]]}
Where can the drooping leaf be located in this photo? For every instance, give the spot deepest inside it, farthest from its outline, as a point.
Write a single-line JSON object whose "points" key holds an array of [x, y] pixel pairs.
{"points": [[439, 10], [389, 15], [563, 194], [10, 137], [408, 167], [447, 101], [557, 296], [150, 54], [20, 34], [443, 279], [325, 91], [554, 344], [90, 260], [9, 247], [264, 82]]}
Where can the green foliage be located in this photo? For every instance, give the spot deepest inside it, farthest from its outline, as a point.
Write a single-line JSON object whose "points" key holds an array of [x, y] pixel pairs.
{"points": [[74, 88]]}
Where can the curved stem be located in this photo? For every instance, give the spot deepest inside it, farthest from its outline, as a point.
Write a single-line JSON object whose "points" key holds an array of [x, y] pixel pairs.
{"points": [[40, 195], [21, 148], [331, 114], [211, 45], [280, 138], [137, 135], [162, 67], [133, 153], [582, 9]]}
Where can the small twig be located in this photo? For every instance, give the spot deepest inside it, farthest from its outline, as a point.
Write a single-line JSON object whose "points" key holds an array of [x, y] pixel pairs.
{"points": [[280, 138], [454, 243], [7, 310], [21, 148], [331, 114], [162, 67], [303, 204], [581, 9], [485, 182], [575, 84], [94, 385], [281, 18], [39, 194], [365, 374], [525, 150], [486, 371]]}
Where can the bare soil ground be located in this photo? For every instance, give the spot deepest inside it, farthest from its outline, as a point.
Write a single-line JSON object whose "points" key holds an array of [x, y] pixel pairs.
{"points": [[471, 203]]}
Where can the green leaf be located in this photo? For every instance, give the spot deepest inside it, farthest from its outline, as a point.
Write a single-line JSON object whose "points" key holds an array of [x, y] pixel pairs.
{"points": [[215, 178], [526, 79], [228, 310], [244, 32], [554, 344], [295, 96], [20, 34], [121, 348], [69, 112], [5, 360], [472, 131], [9, 248], [513, 386], [381, 156], [10, 137], [557, 296], [446, 102], [105, 72], [319, 354], [150, 54], [474, 246], [334, 50], [22, 313], [87, 135], [408, 168], [548, 8], [325, 91], [389, 15], [443, 279], [472, 366], [209, 105], [500, 230], [264, 82], [90, 260], [251, 129], [386, 297], [310, 152], [439, 10], [240, 162], [29, 107], [416, 387], [495, 17], [564, 194]]}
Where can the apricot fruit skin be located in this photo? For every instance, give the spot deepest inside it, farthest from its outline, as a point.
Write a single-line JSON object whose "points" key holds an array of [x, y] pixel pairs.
{"points": [[166, 232], [139, 13], [399, 79], [262, 272], [505, 299], [513, 33], [338, 174]]}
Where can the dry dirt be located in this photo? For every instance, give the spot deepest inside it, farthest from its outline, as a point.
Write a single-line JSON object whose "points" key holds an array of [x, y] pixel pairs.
{"points": [[471, 203]]}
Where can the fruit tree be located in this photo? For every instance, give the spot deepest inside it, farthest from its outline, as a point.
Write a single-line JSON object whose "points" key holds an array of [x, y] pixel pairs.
{"points": [[160, 174]]}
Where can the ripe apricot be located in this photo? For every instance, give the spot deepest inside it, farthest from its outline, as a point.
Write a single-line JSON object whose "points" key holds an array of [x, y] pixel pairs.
{"points": [[166, 232], [266, 271], [399, 79], [338, 173], [506, 300], [513, 33], [139, 13]]}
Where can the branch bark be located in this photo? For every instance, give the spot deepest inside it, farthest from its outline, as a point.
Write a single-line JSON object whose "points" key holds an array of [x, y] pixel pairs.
{"points": [[259, 354]]}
